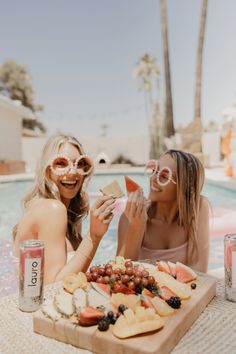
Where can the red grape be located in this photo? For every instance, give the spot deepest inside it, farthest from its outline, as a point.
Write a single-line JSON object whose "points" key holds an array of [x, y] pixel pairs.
{"points": [[128, 264], [137, 280], [125, 279], [101, 271], [88, 276], [94, 276], [131, 285], [93, 269], [129, 271]]}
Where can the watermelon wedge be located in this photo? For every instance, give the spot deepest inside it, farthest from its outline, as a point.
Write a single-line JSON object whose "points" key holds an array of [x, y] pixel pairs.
{"points": [[103, 289], [131, 186], [172, 267], [163, 267], [184, 274], [89, 316]]}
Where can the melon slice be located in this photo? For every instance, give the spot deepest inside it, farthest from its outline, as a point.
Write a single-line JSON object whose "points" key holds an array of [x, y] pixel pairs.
{"points": [[103, 289], [166, 293], [184, 273], [163, 267], [130, 301], [161, 307], [172, 267], [180, 289], [132, 323], [131, 186]]}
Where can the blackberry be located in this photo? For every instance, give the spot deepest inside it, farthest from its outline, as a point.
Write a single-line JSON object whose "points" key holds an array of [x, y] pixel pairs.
{"points": [[153, 288], [110, 314], [103, 324], [193, 286], [122, 308], [113, 320], [139, 289], [174, 302]]}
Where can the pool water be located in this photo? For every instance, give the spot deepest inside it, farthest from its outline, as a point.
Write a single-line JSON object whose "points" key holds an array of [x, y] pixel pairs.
{"points": [[11, 195]]}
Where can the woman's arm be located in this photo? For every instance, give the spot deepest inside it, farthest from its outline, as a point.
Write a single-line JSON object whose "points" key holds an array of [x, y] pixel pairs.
{"points": [[51, 219], [131, 226], [203, 236]]}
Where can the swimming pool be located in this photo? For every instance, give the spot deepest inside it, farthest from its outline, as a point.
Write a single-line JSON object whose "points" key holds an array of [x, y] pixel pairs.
{"points": [[11, 195]]}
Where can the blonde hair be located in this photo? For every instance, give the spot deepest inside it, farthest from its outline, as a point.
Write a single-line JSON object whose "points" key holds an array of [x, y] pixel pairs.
{"points": [[190, 178], [44, 187]]}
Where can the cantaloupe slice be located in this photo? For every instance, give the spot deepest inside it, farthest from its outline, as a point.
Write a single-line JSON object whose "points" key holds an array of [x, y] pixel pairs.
{"points": [[131, 186], [163, 267], [161, 307], [172, 267], [132, 323], [184, 273], [180, 289]]}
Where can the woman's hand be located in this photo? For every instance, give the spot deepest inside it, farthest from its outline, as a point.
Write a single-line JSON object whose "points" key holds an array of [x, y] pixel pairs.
{"points": [[101, 216], [136, 209]]}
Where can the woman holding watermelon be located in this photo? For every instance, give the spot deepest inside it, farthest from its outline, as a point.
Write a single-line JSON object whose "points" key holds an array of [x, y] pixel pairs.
{"points": [[173, 223], [56, 206]]}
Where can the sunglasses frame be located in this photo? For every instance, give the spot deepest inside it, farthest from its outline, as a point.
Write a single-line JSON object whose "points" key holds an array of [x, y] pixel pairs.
{"points": [[170, 174], [71, 164]]}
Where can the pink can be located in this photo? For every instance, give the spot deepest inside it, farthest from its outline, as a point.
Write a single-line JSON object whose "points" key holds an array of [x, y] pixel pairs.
{"points": [[230, 266], [31, 275]]}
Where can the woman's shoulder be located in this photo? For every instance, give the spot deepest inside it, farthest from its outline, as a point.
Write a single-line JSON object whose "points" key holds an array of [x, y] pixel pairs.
{"points": [[43, 206], [204, 202]]}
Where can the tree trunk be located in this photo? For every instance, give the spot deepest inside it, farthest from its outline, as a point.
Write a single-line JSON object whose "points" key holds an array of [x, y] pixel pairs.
{"points": [[169, 121], [198, 78]]}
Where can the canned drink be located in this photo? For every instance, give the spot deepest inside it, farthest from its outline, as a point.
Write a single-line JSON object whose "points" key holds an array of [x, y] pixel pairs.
{"points": [[31, 275], [230, 266]]}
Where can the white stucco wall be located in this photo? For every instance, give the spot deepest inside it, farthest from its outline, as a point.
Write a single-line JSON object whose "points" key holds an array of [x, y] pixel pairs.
{"points": [[31, 150], [10, 134]]}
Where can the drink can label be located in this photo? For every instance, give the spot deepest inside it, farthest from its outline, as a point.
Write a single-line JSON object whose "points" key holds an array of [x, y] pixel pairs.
{"points": [[31, 271]]}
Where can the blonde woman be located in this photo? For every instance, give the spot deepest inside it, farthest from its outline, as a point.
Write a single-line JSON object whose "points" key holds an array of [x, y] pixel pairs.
{"points": [[175, 226], [56, 206]]}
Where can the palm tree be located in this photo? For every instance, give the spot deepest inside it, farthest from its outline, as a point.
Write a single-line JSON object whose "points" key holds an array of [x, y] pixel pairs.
{"points": [[147, 72], [169, 129], [198, 77]]}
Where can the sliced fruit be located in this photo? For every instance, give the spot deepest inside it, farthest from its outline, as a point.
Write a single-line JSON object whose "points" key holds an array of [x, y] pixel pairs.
{"points": [[131, 186], [89, 316], [147, 292], [184, 273], [103, 289], [163, 267], [130, 301], [161, 307], [166, 293], [180, 289], [146, 301], [172, 267], [132, 323], [121, 288], [140, 313]]}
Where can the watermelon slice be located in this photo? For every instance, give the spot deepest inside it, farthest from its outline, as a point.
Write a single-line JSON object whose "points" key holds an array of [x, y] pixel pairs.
{"points": [[103, 289], [166, 293], [163, 267], [131, 186], [89, 316], [184, 274]]}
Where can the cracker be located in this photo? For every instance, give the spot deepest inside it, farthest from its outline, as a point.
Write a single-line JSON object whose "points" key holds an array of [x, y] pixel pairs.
{"points": [[113, 189]]}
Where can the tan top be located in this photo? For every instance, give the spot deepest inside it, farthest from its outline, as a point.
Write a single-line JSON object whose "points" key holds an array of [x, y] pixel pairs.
{"points": [[177, 254]]}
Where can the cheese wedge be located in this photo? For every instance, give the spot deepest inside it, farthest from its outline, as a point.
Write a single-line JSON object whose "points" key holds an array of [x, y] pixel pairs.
{"points": [[113, 189]]}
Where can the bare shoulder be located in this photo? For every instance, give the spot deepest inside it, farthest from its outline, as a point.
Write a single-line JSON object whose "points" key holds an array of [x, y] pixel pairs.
{"points": [[47, 207], [204, 204]]}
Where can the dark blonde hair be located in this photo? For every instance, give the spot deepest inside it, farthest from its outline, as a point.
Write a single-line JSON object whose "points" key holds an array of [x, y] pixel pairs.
{"points": [[190, 178], [44, 187]]}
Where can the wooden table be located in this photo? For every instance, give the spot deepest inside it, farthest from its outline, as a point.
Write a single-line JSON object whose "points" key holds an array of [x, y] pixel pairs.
{"points": [[213, 332]]}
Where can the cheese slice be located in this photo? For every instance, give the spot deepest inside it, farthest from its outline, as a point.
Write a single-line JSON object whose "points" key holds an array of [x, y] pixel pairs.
{"points": [[113, 189]]}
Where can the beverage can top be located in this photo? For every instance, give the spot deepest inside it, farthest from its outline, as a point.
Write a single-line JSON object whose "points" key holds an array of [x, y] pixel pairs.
{"points": [[32, 244]]}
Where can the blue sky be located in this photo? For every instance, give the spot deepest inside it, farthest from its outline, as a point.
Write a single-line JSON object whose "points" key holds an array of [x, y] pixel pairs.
{"points": [[81, 54]]}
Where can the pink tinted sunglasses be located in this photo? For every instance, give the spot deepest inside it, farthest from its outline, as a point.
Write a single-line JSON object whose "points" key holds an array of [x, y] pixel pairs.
{"points": [[163, 176], [62, 165]]}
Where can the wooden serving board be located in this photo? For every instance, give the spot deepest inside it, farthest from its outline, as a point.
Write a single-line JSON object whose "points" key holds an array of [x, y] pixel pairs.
{"points": [[162, 341]]}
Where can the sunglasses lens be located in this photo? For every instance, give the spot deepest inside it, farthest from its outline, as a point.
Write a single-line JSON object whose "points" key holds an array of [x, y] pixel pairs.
{"points": [[150, 168], [164, 176], [60, 163], [84, 165]]}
